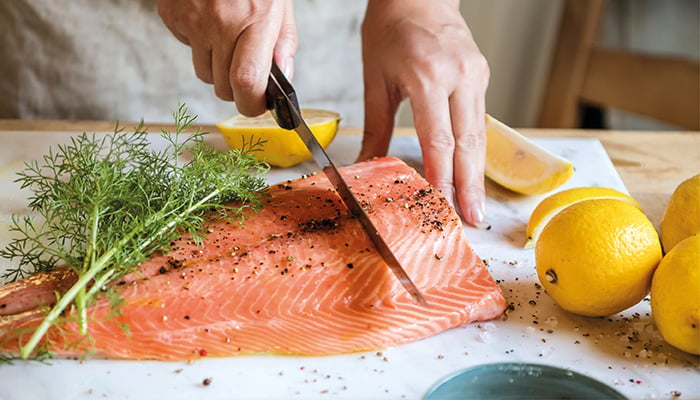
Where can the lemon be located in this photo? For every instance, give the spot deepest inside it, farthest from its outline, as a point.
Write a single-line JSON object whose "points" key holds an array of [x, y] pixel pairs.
{"points": [[675, 295], [282, 147], [596, 257], [682, 216], [518, 164], [551, 205]]}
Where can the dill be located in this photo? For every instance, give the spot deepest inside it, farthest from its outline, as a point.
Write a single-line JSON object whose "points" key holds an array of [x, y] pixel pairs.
{"points": [[101, 206]]}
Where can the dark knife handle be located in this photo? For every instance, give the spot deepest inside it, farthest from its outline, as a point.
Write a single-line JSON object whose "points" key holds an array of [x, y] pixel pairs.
{"points": [[278, 96]]}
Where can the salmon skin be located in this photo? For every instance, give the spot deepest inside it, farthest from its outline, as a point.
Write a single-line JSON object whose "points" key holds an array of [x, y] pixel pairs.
{"points": [[299, 277]]}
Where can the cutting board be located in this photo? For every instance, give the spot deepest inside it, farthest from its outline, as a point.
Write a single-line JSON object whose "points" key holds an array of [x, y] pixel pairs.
{"points": [[624, 351]]}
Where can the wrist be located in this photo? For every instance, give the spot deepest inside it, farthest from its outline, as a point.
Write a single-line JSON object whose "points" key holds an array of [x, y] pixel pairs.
{"points": [[376, 5]]}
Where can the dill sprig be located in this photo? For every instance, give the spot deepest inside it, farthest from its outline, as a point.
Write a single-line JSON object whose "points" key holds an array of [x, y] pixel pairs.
{"points": [[101, 206]]}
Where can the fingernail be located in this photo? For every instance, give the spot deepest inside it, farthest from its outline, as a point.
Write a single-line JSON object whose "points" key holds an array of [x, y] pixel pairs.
{"points": [[478, 218], [288, 67]]}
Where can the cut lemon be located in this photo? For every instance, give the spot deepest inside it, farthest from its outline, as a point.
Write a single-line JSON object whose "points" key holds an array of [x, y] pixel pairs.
{"points": [[518, 164], [552, 205], [282, 148]]}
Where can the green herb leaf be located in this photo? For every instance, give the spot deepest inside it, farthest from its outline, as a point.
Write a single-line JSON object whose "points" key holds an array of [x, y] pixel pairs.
{"points": [[103, 205]]}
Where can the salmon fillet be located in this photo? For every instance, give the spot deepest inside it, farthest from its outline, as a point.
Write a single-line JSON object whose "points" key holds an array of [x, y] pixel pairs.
{"points": [[298, 277]]}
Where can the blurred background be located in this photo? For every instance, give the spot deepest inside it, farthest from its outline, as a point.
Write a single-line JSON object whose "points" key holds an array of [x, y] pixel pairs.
{"points": [[115, 60], [518, 39]]}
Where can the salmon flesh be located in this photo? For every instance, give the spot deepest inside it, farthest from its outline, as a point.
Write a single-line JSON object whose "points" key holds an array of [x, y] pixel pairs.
{"points": [[299, 277]]}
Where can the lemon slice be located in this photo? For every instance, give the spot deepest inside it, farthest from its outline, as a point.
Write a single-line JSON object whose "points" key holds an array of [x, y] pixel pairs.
{"points": [[552, 205], [518, 164], [282, 148]]}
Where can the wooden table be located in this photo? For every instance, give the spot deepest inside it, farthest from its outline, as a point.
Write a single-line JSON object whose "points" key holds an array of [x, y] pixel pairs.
{"points": [[650, 163]]}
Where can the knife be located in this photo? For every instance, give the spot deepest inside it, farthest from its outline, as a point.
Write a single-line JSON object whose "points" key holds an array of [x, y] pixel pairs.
{"points": [[281, 100]]}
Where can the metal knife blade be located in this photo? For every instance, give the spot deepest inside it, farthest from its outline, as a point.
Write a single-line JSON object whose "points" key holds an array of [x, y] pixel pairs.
{"points": [[282, 101]]}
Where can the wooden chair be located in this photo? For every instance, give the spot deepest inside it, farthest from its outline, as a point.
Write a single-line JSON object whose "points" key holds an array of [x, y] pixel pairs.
{"points": [[664, 88]]}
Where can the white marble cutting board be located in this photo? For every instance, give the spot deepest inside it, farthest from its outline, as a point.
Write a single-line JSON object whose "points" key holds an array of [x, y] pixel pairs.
{"points": [[624, 351]]}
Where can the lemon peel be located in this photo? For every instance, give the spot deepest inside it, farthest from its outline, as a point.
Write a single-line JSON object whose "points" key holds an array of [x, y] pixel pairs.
{"points": [[682, 216], [675, 296], [282, 148], [517, 163], [597, 257], [553, 204]]}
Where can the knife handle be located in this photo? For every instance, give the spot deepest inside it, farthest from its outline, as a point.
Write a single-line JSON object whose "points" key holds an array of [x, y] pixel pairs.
{"points": [[279, 97]]}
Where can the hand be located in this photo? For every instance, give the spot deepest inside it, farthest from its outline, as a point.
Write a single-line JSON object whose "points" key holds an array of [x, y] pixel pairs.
{"points": [[233, 44], [425, 52]]}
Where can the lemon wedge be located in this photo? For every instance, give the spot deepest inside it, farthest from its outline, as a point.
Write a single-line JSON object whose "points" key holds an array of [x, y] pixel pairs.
{"points": [[553, 204], [518, 164], [282, 148]]}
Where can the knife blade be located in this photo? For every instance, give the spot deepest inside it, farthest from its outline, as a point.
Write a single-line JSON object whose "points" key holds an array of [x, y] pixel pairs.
{"points": [[282, 101]]}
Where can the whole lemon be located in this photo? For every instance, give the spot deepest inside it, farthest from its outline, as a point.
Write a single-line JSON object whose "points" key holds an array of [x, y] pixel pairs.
{"points": [[282, 148], [596, 257], [682, 216], [675, 295], [553, 204]]}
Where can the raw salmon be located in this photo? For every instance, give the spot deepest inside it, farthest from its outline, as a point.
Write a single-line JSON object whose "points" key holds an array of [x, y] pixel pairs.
{"points": [[298, 277]]}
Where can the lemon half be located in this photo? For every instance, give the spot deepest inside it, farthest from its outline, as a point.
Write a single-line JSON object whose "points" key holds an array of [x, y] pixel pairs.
{"points": [[518, 164], [553, 204], [282, 148]]}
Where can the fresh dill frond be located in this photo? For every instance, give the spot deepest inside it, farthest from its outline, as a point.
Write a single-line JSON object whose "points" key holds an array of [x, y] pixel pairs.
{"points": [[101, 206]]}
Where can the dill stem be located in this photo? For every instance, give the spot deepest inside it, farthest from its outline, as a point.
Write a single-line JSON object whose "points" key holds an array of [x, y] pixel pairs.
{"points": [[81, 305], [77, 291], [81, 300], [64, 302]]}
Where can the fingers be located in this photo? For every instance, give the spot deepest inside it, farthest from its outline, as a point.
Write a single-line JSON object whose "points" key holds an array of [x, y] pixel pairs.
{"points": [[468, 125], [250, 66], [380, 110], [202, 61], [286, 45], [233, 43], [220, 66], [431, 116]]}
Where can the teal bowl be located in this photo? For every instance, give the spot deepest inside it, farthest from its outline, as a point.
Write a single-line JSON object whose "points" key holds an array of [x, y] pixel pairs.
{"points": [[511, 381]]}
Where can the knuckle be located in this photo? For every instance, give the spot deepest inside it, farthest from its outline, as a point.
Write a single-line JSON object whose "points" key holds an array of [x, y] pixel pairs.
{"points": [[445, 185], [440, 141], [471, 141], [246, 77], [426, 70], [474, 65], [481, 66]]}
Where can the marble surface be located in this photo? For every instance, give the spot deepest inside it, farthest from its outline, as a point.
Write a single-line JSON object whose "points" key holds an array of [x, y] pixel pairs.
{"points": [[624, 351]]}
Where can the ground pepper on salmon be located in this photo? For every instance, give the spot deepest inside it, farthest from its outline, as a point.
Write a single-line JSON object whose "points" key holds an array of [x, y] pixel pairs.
{"points": [[299, 277]]}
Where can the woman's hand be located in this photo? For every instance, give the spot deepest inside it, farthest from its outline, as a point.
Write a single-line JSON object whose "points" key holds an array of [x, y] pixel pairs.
{"points": [[424, 51], [233, 43]]}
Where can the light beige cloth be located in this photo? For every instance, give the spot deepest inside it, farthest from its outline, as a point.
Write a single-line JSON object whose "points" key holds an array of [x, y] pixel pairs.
{"points": [[116, 60]]}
